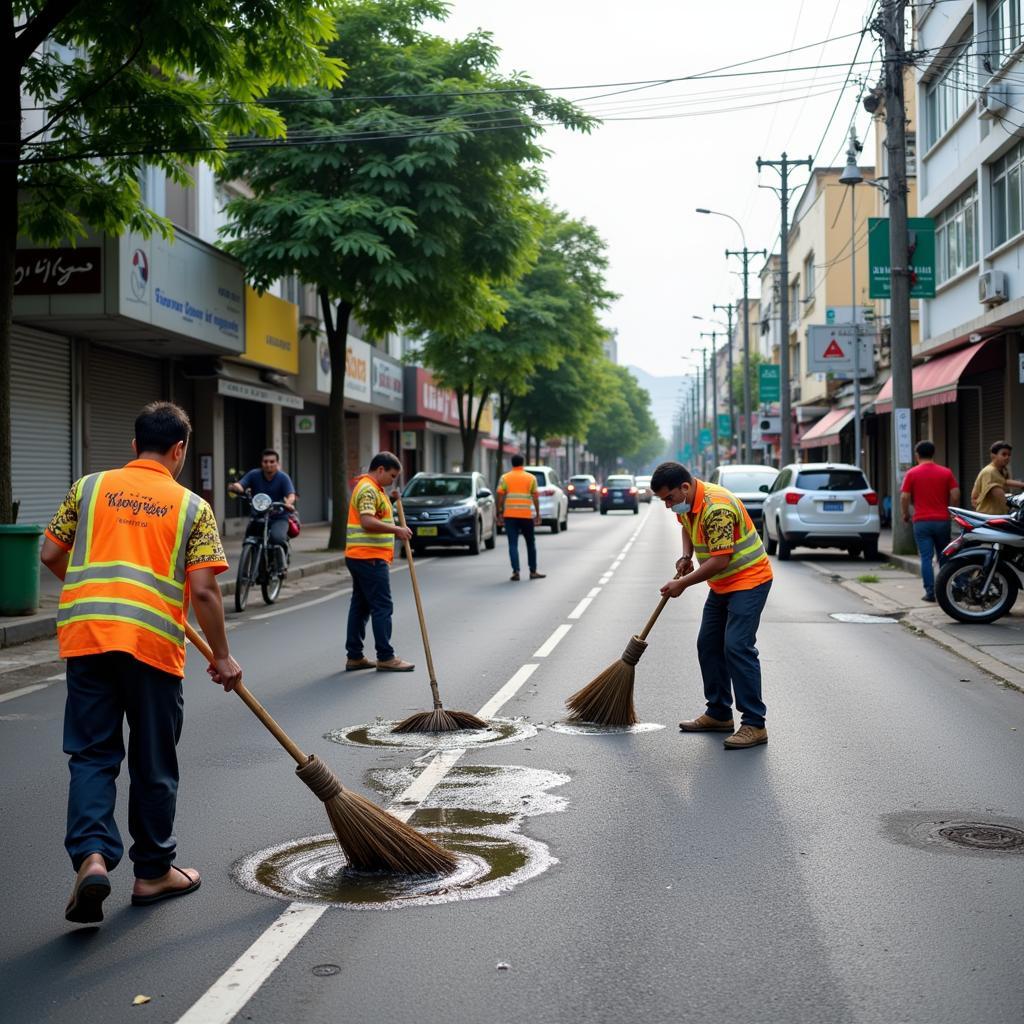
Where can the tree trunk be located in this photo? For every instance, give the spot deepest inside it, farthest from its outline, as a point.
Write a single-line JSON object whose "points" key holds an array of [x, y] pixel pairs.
{"points": [[336, 327], [10, 151], [504, 411]]}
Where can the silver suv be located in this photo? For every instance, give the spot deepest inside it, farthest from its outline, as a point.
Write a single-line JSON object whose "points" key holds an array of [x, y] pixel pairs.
{"points": [[821, 505]]}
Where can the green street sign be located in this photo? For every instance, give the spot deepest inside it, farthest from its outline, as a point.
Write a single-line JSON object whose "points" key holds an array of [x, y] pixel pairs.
{"points": [[768, 377], [921, 242], [724, 423], [687, 453], [705, 437]]}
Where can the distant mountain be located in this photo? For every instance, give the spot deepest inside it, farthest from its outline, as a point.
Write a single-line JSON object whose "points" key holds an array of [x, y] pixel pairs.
{"points": [[664, 392]]}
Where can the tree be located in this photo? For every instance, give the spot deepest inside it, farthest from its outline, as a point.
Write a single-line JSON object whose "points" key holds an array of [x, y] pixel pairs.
{"points": [[624, 429], [96, 91], [756, 359], [550, 312], [402, 199]]}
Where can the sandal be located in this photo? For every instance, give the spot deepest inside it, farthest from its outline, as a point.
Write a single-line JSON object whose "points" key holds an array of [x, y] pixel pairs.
{"points": [[167, 894]]}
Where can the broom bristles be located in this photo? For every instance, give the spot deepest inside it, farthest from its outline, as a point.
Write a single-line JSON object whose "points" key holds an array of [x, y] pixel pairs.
{"points": [[607, 699], [372, 839], [440, 720]]}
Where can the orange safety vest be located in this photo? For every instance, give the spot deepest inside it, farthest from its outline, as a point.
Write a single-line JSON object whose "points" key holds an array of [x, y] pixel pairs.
{"points": [[748, 562], [126, 587], [519, 487], [360, 543]]}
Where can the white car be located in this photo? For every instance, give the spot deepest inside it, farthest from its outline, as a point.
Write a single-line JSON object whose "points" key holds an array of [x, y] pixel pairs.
{"points": [[554, 502], [643, 489], [750, 484], [820, 505]]}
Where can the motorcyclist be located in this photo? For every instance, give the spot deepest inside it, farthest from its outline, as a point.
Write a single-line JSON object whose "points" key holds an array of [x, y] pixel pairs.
{"points": [[273, 481]]}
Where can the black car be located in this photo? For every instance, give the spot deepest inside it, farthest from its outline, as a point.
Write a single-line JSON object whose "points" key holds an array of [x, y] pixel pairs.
{"points": [[582, 491], [619, 494], [450, 509]]}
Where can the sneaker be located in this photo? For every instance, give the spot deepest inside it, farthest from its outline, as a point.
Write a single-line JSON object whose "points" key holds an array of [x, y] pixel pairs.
{"points": [[746, 736], [705, 723], [395, 665], [514, 577], [538, 575], [930, 598], [355, 664]]}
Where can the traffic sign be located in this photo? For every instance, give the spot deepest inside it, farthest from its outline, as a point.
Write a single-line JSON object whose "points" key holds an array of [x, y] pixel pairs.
{"points": [[705, 437], [687, 452], [769, 376], [830, 349], [724, 423]]}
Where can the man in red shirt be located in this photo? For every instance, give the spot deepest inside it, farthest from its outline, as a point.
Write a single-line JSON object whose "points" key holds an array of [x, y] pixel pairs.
{"points": [[931, 489]]}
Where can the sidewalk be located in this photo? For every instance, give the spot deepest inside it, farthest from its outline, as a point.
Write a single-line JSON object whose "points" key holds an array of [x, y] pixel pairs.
{"points": [[309, 556]]}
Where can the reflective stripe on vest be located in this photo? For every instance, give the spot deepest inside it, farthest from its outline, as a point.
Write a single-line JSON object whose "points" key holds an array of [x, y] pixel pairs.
{"points": [[125, 593], [747, 548], [360, 542]]}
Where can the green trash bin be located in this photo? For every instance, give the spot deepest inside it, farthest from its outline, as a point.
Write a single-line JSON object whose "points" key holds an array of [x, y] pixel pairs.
{"points": [[19, 569]]}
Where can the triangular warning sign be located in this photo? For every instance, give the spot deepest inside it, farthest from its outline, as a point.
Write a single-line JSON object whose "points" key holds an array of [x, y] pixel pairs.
{"points": [[833, 351]]}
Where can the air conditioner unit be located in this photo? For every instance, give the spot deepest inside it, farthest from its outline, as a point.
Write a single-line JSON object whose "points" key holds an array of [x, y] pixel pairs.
{"points": [[770, 424], [993, 288], [993, 102]]}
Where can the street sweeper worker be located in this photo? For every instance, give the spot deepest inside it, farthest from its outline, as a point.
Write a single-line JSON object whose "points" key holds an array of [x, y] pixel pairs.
{"points": [[133, 547], [519, 512], [718, 530], [369, 551]]}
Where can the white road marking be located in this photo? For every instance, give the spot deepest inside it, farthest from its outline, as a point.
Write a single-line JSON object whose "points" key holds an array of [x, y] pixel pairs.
{"points": [[605, 578], [552, 641], [23, 691], [298, 607], [594, 592], [615, 565], [580, 608], [405, 804], [507, 692]]}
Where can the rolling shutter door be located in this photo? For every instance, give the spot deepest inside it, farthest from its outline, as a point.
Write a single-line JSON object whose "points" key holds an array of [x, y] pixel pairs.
{"points": [[40, 422], [117, 386]]}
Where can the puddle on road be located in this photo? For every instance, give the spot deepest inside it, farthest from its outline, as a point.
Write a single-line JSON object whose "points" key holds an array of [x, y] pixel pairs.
{"points": [[476, 812], [593, 729], [502, 730]]}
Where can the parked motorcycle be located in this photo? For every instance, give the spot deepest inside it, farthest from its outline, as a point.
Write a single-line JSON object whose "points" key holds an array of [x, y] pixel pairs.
{"points": [[260, 561], [985, 567]]}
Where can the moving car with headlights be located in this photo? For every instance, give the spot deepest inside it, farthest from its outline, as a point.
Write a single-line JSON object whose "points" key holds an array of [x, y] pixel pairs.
{"points": [[619, 494], [750, 484], [820, 505], [582, 491], [450, 509], [643, 489], [554, 502]]}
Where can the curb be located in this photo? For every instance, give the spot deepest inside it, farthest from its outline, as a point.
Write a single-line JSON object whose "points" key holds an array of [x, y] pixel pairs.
{"points": [[44, 624]]}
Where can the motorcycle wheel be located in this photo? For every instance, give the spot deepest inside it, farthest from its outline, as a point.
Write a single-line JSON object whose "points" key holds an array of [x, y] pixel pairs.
{"points": [[243, 582], [270, 583], [957, 590]]}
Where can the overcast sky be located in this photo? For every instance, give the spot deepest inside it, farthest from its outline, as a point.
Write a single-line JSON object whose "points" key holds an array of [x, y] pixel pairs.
{"points": [[685, 144]]}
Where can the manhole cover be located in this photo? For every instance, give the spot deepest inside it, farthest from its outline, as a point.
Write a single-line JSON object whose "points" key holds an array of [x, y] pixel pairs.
{"points": [[978, 836], [326, 970], [962, 833], [861, 617]]}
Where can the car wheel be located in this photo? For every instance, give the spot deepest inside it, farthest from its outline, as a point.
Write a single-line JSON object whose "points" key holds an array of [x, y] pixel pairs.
{"points": [[604, 511], [636, 510], [854, 550], [870, 549], [554, 524], [418, 550], [769, 545], [565, 521], [493, 539], [785, 548], [478, 538]]}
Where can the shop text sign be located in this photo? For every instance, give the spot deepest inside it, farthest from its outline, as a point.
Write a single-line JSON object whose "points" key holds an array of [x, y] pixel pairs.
{"points": [[58, 271], [434, 402], [920, 255], [357, 369], [271, 331], [387, 380]]}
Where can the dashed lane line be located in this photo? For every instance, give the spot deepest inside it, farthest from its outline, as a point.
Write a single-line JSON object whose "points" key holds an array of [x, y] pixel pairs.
{"points": [[552, 641], [24, 690], [580, 608]]}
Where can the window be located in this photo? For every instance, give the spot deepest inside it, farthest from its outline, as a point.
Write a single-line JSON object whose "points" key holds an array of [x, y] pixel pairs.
{"points": [[1006, 195], [809, 277], [956, 236], [949, 94], [1004, 33], [831, 480], [794, 302]]}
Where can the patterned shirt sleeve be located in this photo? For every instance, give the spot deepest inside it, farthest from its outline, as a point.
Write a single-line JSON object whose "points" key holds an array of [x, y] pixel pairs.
{"points": [[64, 523], [204, 549], [719, 524], [502, 486], [367, 503]]}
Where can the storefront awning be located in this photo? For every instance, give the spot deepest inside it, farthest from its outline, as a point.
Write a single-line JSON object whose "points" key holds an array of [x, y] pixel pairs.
{"points": [[934, 382], [491, 444], [826, 431]]}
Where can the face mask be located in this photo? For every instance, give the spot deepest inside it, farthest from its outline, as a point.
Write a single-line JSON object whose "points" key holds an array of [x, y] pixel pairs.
{"points": [[682, 508]]}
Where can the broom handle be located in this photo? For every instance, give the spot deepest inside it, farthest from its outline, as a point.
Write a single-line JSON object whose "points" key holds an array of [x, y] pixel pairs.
{"points": [[254, 705], [657, 611], [419, 605]]}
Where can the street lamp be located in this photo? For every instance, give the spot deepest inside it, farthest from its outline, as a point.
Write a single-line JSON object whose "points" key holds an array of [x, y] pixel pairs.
{"points": [[714, 370], [851, 176]]}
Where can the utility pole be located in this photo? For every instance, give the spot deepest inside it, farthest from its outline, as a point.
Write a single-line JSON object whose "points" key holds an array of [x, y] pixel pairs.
{"points": [[713, 335], [890, 26], [746, 254], [784, 166], [729, 310]]}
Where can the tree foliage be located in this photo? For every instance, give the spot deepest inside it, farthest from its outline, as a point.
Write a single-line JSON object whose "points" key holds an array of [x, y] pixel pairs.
{"points": [[97, 90], [623, 431], [403, 197]]}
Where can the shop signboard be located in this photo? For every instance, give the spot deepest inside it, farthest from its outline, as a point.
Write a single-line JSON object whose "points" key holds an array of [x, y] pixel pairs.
{"points": [[387, 386], [271, 331], [357, 369], [434, 402], [254, 393], [58, 271], [769, 375], [921, 251], [305, 424], [705, 437]]}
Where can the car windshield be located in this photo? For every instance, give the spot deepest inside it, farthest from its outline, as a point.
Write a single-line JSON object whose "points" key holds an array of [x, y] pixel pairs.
{"points": [[619, 481], [541, 476], [581, 479], [831, 480], [439, 487], [748, 481]]}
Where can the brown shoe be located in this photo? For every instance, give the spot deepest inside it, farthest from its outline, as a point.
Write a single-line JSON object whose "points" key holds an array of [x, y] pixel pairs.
{"points": [[538, 575], [705, 723], [359, 663], [746, 736], [514, 577], [395, 665]]}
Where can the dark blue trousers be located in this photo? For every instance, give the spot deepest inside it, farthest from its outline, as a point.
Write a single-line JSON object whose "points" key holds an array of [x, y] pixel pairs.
{"points": [[728, 656], [931, 536], [514, 528], [103, 691], [371, 599]]}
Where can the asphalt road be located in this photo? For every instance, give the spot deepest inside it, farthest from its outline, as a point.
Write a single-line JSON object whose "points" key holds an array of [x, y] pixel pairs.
{"points": [[790, 883]]}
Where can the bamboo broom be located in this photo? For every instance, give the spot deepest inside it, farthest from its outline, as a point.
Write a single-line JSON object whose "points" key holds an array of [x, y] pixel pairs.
{"points": [[608, 698], [437, 720], [371, 839]]}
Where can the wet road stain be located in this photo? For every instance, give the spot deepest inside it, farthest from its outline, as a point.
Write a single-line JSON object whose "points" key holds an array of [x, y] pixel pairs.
{"points": [[502, 730], [476, 812], [592, 729]]}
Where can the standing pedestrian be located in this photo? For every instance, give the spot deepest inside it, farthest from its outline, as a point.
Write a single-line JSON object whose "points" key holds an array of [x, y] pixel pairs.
{"points": [[519, 511], [133, 548], [989, 492], [369, 551], [931, 489], [733, 562]]}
